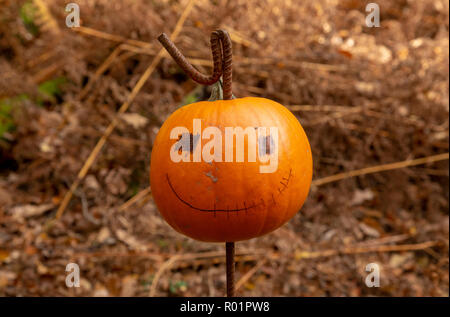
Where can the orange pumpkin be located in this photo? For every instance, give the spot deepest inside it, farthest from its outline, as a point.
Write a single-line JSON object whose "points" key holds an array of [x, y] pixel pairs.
{"points": [[207, 193]]}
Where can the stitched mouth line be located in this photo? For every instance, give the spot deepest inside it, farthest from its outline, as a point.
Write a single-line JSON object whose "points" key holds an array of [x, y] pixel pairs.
{"points": [[245, 208]]}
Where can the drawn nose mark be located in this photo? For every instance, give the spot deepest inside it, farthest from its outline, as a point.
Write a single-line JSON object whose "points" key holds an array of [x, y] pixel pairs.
{"points": [[213, 178]]}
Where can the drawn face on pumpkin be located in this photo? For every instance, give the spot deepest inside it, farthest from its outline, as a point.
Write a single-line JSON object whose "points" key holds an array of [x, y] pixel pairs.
{"points": [[230, 170]]}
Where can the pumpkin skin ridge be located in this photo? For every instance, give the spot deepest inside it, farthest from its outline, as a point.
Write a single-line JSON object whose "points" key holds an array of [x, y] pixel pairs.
{"points": [[292, 123], [281, 218], [251, 192], [301, 136], [167, 216]]}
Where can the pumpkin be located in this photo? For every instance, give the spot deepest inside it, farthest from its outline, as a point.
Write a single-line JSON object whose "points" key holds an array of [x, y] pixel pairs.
{"points": [[208, 194]]}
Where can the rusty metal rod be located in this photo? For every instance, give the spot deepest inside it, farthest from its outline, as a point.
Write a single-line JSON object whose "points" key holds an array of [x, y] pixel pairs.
{"points": [[230, 268], [221, 49]]}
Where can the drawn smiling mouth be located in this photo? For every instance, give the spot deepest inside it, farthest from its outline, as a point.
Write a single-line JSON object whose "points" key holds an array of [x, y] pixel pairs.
{"points": [[284, 182]]}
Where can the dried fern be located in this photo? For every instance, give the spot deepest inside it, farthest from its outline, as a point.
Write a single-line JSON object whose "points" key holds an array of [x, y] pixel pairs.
{"points": [[44, 19]]}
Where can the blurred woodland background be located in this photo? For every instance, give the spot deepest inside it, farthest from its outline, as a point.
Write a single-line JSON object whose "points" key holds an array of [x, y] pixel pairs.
{"points": [[88, 101]]}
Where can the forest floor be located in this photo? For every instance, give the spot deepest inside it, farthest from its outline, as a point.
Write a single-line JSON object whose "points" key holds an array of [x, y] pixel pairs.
{"points": [[365, 97]]}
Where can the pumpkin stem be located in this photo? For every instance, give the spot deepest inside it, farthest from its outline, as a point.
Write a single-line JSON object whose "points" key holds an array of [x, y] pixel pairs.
{"points": [[222, 61], [229, 246], [217, 91]]}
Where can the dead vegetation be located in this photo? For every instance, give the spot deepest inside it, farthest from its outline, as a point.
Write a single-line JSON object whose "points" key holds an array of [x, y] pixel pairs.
{"points": [[79, 110]]}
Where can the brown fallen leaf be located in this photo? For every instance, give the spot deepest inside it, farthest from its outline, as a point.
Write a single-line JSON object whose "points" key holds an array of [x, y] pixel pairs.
{"points": [[135, 120], [369, 231], [100, 291], [26, 211], [345, 53], [130, 240], [6, 277], [5, 197], [360, 196], [129, 284], [4, 255]]}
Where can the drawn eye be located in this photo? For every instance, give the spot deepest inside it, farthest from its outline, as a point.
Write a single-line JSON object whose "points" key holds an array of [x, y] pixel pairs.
{"points": [[187, 141], [179, 144], [268, 142], [191, 143], [266, 145]]}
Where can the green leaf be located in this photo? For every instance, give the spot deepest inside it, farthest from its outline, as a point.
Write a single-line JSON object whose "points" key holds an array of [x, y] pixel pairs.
{"points": [[6, 108], [191, 98], [217, 91], [28, 14], [50, 89], [175, 287]]}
